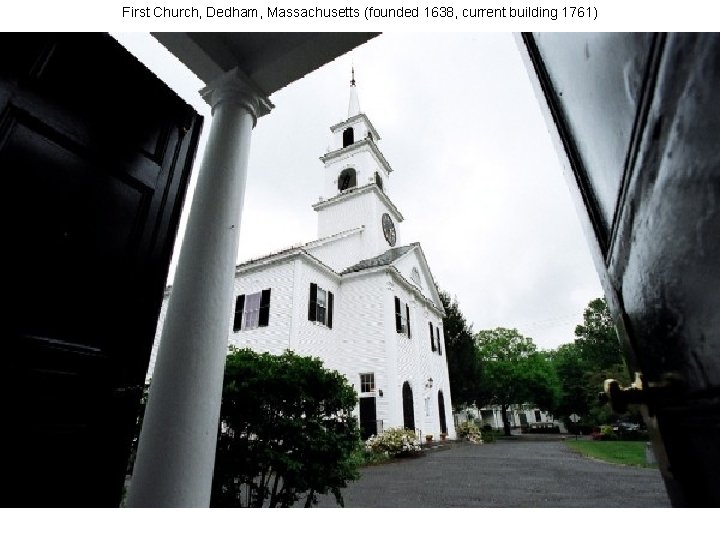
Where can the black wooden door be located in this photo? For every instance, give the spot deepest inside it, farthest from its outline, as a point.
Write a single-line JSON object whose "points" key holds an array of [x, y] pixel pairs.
{"points": [[638, 126], [441, 412], [408, 407], [368, 417], [95, 155]]}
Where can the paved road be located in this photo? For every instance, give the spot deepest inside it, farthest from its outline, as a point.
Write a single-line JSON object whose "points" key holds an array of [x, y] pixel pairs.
{"points": [[522, 473]]}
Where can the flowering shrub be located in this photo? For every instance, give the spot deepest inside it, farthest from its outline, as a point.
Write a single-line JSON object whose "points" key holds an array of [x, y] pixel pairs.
{"points": [[469, 430], [604, 434], [393, 442]]}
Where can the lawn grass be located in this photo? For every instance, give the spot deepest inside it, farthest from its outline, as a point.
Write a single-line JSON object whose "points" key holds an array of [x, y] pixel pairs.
{"points": [[622, 452]]}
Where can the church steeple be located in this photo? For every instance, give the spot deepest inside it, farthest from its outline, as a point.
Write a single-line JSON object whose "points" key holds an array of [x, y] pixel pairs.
{"points": [[355, 192], [354, 105]]}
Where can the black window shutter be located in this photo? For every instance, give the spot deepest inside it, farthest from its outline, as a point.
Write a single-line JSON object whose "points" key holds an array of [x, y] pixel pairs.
{"points": [[398, 317], [438, 340], [432, 336], [330, 309], [312, 305], [407, 313], [264, 316], [239, 305]]}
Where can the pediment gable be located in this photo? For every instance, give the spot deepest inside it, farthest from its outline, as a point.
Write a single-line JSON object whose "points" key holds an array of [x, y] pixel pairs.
{"points": [[413, 266]]}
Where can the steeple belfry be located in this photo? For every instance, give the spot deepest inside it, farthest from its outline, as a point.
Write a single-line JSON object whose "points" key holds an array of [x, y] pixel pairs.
{"points": [[354, 105]]}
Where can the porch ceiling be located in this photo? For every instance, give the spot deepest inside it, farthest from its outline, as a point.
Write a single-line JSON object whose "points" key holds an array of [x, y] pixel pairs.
{"points": [[272, 60]]}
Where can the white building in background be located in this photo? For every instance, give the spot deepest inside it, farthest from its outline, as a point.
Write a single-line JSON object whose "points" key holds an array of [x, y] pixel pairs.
{"points": [[518, 416], [358, 298]]}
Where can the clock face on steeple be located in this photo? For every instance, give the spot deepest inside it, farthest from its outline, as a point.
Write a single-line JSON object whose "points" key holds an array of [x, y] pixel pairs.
{"points": [[388, 229]]}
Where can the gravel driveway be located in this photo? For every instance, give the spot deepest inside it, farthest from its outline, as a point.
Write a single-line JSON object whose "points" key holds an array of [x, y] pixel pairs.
{"points": [[519, 473]]}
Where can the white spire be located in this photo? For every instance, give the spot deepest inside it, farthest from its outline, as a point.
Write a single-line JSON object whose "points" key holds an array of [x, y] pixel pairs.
{"points": [[354, 105]]}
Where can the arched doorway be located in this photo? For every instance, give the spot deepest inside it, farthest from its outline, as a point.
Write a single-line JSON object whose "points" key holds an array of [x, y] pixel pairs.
{"points": [[441, 412], [408, 408]]}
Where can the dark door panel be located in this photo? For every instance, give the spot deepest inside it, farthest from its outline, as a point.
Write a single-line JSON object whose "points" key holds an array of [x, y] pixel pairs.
{"points": [[589, 72], [660, 264], [95, 156]]}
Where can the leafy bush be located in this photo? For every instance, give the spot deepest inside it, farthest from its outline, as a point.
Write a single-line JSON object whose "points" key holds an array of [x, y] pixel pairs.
{"points": [[286, 431], [490, 435], [605, 433], [469, 431], [393, 442]]}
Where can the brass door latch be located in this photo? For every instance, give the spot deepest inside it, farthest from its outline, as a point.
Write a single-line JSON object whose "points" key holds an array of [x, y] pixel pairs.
{"points": [[618, 397], [669, 389]]}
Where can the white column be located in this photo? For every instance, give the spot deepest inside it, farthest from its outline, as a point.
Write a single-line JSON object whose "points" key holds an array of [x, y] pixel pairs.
{"points": [[176, 452]]}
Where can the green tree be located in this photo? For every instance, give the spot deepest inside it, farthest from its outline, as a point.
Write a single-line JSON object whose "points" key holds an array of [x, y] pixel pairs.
{"points": [[515, 372], [598, 344], [583, 366], [571, 371], [541, 383], [596, 339], [286, 431], [464, 369]]}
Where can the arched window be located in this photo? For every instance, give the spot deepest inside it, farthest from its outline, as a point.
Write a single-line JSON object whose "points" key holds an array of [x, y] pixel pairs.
{"points": [[408, 407], [378, 180], [348, 137], [347, 179], [441, 412]]}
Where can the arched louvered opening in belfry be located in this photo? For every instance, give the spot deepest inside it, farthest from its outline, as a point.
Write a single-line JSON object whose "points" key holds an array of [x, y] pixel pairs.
{"points": [[378, 180], [347, 179], [408, 408], [441, 412], [348, 137]]}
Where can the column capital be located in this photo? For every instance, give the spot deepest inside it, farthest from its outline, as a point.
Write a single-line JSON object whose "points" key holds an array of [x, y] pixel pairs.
{"points": [[236, 87]]}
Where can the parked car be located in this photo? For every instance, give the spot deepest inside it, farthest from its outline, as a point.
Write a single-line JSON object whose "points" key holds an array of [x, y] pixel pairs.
{"points": [[625, 426]]}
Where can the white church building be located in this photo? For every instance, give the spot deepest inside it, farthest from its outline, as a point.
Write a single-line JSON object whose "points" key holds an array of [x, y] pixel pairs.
{"points": [[358, 298]]}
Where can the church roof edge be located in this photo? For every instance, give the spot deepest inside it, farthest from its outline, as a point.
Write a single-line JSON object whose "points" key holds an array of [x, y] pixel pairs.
{"points": [[352, 192], [355, 146], [297, 250], [383, 259], [361, 116]]}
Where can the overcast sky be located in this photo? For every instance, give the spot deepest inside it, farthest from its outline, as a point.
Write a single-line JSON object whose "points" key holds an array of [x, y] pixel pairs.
{"points": [[474, 172]]}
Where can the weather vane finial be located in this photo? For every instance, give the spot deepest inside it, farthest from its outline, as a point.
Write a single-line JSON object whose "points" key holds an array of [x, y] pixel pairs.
{"points": [[352, 81]]}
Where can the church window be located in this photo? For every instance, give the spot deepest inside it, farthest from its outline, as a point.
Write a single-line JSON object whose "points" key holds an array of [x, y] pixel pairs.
{"points": [[367, 382], [432, 337], [439, 347], [252, 310], [348, 137], [402, 317], [320, 306], [347, 179], [378, 180]]}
